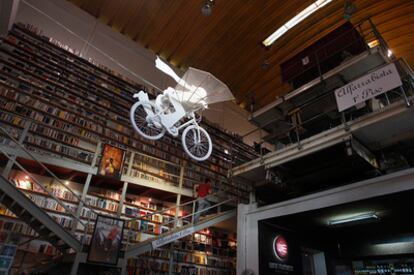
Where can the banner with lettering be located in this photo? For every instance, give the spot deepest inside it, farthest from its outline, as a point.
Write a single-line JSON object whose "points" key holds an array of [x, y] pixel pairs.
{"points": [[367, 87]]}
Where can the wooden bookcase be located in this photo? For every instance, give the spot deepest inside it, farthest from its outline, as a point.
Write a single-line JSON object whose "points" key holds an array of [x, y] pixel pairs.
{"points": [[73, 105]]}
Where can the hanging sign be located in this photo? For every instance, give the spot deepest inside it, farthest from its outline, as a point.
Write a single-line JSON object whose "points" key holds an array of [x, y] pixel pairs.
{"points": [[170, 238], [367, 86]]}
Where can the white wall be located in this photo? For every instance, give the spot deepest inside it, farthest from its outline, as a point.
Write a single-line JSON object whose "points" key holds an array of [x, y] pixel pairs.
{"points": [[72, 26]]}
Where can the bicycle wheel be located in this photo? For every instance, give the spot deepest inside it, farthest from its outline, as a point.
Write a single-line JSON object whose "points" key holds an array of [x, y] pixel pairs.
{"points": [[145, 122], [197, 142]]}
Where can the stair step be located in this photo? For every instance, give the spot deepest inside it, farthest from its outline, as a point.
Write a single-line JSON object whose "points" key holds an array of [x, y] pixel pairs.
{"points": [[38, 219]]}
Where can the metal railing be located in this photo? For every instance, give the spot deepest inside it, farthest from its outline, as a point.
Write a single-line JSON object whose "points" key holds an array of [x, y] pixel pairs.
{"points": [[178, 221], [295, 133], [70, 212]]}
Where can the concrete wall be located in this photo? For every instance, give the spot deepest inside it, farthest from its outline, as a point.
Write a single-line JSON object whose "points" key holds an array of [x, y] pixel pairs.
{"points": [[79, 30]]}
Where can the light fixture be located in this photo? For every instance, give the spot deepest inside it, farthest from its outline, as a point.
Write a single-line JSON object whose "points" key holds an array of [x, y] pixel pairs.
{"points": [[207, 7], [373, 43], [67, 182], [149, 199], [355, 218], [226, 151], [389, 53], [294, 21], [165, 68], [26, 177], [349, 10]]}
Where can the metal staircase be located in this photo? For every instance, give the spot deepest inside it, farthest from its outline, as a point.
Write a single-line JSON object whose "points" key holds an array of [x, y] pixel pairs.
{"points": [[24, 208], [177, 233], [27, 210]]}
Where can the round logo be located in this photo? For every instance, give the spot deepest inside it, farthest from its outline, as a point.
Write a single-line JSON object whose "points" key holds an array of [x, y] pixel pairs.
{"points": [[280, 248]]}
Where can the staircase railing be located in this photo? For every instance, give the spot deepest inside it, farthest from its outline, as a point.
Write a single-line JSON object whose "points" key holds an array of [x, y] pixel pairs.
{"points": [[178, 221], [68, 211]]}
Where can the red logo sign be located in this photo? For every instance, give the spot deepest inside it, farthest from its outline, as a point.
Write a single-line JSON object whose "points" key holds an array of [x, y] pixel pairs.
{"points": [[280, 248]]}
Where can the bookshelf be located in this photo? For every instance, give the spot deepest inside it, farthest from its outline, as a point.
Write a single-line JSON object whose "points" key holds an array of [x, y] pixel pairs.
{"points": [[215, 257], [73, 104]]}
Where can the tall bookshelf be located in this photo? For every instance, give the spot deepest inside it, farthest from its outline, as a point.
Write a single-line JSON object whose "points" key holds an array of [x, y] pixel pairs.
{"points": [[207, 252], [73, 104]]}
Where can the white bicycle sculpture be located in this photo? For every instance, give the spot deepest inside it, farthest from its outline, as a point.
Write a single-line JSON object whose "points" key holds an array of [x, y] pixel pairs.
{"points": [[175, 109]]}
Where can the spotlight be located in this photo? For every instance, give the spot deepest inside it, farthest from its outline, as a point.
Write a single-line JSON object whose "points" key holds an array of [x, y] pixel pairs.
{"points": [[207, 7], [349, 10]]}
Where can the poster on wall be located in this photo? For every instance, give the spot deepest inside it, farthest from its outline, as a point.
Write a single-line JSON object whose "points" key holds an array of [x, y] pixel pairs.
{"points": [[111, 162], [279, 251], [106, 240]]}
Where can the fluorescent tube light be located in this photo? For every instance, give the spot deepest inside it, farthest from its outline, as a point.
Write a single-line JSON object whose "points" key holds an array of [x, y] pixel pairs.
{"points": [[373, 43], [294, 21], [360, 217]]}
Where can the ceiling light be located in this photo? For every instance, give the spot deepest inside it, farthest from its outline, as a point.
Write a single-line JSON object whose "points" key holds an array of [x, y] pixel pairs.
{"points": [[26, 177], [355, 218], [373, 43], [294, 21], [349, 10], [207, 7]]}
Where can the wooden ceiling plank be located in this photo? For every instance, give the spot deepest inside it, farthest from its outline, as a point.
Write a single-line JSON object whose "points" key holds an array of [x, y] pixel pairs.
{"points": [[165, 35]]}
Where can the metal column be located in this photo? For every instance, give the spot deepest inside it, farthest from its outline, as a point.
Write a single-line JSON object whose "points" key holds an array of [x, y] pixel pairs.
{"points": [[125, 186], [10, 163], [86, 186]]}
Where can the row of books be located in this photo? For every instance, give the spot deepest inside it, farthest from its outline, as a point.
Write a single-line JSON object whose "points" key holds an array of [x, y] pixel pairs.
{"points": [[44, 118], [71, 123], [78, 79], [126, 84], [17, 227], [102, 203], [160, 266]]}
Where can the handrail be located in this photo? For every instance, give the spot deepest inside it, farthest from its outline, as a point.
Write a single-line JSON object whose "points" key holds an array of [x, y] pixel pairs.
{"points": [[192, 214], [69, 211], [46, 169], [172, 207]]}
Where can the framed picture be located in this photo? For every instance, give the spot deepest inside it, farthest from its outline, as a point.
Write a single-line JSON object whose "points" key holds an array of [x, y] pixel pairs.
{"points": [[106, 240], [111, 161]]}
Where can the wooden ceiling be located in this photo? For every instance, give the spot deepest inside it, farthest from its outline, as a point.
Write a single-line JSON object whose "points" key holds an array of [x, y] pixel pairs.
{"points": [[228, 43]]}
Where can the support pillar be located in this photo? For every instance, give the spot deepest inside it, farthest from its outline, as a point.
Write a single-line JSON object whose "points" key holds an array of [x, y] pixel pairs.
{"points": [[122, 199], [22, 137], [86, 186], [178, 201]]}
